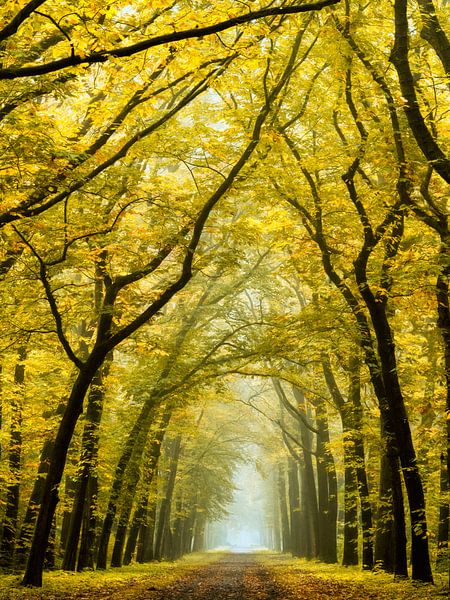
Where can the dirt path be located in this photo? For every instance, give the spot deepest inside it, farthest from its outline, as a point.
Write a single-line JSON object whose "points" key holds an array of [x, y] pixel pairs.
{"points": [[235, 577]]}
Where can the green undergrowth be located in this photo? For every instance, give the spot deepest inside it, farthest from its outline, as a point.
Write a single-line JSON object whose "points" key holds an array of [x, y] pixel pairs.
{"points": [[99, 584], [298, 573]]}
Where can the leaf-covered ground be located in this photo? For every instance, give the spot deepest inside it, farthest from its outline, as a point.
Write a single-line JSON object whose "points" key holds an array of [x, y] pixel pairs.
{"points": [[223, 577]]}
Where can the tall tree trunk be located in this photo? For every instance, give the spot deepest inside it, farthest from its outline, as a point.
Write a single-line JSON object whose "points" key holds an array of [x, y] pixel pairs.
{"points": [[443, 302], [442, 556], [390, 538], [152, 459], [360, 463], [138, 434], [346, 412], [26, 530], [86, 554], [88, 462], [276, 513], [57, 461], [297, 541], [350, 552], [420, 559], [309, 491], [8, 540], [326, 487], [178, 531], [165, 508], [384, 533], [146, 537], [284, 515], [198, 544]]}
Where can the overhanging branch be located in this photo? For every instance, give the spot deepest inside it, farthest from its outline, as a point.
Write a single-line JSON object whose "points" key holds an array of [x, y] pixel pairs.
{"points": [[198, 32]]}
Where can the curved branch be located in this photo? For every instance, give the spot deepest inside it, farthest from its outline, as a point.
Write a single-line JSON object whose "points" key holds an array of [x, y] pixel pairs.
{"points": [[52, 302], [21, 16], [196, 32], [399, 58], [433, 33]]}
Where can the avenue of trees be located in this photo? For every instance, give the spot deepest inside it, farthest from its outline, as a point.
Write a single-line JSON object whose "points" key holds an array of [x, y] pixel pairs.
{"points": [[224, 227]]}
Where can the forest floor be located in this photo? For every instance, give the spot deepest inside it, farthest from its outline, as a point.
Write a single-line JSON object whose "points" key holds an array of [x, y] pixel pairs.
{"points": [[219, 576]]}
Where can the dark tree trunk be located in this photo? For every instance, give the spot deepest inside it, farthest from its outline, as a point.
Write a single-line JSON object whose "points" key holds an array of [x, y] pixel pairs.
{"points": [[326, 487], [177, 534], [442, 296], [198, 544], [442, 556], [276, 513], [87, 552], [163, 528], [70, 488], [151, 461], [309, 492], [350, 550], [136, 523], [9, 529], [384, 533], [360, 463], [147, 535], [284, 515], [390, 537], [346, 412], [88, 461], [296, 542], [26, 531], [138, 434], [188, 530], [132, 481], [50, 498], [420, 560], [49, 560]]}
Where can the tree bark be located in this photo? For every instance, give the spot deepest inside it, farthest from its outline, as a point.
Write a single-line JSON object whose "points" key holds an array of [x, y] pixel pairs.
{"points": [[26, 530], [9, 528], [350, 549], [166, 503], [152, 458], [284, 515], [308, 481], [442, 555], [57, 461], [88, 462], [433, 33], [86, 554], [146, 537], [327, 488], [421, 568], [136, 434], [298, 540], [399, 58], [360, 463]]}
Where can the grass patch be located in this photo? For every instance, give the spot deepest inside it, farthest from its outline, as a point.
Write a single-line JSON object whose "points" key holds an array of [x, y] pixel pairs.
{"points": [[298, 574], [99, 584]]}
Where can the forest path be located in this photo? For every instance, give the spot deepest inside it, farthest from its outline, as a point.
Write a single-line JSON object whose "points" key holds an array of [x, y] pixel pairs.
{"points": [[233, 577], [245, 577]]}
